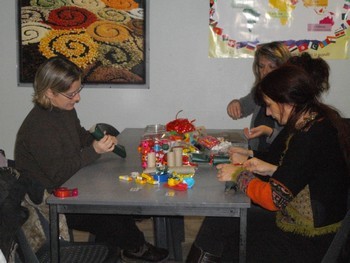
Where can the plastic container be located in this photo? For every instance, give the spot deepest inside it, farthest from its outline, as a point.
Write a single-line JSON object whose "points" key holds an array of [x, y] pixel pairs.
{"points": [[154, 129]]}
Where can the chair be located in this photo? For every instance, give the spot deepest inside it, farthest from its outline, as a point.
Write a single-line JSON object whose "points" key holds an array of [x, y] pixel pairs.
{"points": [[339, 250], [12, 217], [70, 252]]}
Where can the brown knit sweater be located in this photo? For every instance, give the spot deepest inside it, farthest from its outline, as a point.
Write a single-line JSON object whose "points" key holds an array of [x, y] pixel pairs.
{"points": [[51, 146]]}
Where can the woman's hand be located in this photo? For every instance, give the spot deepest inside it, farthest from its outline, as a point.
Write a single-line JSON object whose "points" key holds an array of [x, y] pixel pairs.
{"points": [[234, 109], [257, 131], [258, 166], [225, 171], [106, 144], [239, 154]]}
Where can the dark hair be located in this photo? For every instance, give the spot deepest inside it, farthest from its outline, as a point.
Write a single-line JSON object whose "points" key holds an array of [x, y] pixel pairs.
{"points": [[57, 74], [290, 84], [318, 69]]}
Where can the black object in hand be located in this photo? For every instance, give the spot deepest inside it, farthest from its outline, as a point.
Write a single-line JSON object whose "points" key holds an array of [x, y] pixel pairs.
{"points": [[100, 129], [230, 185]]}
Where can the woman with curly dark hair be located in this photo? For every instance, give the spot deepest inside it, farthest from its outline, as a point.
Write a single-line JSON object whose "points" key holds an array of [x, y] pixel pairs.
{"points": [[302, 180]]}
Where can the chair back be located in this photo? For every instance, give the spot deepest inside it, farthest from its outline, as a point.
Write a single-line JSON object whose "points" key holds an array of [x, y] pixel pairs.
{"points": [[77, 252], [339, 250]]}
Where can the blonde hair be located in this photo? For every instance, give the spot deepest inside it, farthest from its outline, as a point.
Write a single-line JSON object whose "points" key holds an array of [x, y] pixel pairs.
{"points": [[57, 74], [276, 52]]}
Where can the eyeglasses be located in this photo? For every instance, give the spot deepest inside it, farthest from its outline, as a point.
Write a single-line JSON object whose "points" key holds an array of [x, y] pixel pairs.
{"points": [[72, 94]]}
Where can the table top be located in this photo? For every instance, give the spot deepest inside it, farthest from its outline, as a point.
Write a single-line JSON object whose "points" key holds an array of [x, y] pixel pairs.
{"points": [[99, 185]]}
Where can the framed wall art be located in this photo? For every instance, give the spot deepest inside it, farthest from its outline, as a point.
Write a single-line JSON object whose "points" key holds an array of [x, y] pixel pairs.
{"points": [[107, 39]]}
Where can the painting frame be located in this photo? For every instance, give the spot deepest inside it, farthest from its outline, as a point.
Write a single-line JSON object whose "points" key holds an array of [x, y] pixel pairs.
{"points": [[119, 62]]}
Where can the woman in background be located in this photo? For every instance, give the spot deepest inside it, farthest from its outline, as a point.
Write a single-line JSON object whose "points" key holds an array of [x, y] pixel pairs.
{"points": [[263, 129], [319, 71]]}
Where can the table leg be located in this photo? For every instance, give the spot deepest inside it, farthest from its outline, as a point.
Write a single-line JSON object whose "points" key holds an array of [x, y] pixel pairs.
{"points": [[160, 233], [54, 241], [176, 234], [243, 235], [169, 233]]}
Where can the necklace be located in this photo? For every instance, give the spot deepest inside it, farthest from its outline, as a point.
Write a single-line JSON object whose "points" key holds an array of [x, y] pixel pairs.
{"points": [[306, 120]]}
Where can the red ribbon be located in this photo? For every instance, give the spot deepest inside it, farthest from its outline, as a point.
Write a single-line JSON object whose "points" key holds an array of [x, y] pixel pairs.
{"points": [[181, 126], [63, 192]]}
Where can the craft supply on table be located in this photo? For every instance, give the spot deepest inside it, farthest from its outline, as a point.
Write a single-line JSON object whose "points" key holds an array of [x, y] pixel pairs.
{"points": [[151, 159], [172, 151], [181, 169], [125, 178], [150, 178], [180, 181], [179, 186], [63, 192], [200, 158], [171, 159], [230, 185], [161, 178], [178, 156], [155, 130], [218, 159]]}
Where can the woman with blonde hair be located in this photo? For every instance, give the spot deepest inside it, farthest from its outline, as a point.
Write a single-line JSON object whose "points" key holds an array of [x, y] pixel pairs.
{"points": [[52, 146], [263, 129]]}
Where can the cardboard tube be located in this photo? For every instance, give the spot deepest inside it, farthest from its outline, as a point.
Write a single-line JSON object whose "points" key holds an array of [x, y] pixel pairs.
{"points": [[151, 159], [178, 156], [171, 159]]}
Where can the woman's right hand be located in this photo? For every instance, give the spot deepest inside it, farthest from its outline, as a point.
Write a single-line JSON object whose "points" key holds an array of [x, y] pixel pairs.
{"points": [[258, 166], [239, 154], [234, 109], [106, 144]]}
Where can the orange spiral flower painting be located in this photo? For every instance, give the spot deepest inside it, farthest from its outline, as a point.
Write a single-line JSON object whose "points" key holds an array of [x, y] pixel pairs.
{"points": [[105, 38]]}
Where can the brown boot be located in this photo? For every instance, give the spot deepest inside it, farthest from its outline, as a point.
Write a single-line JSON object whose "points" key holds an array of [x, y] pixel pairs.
{"points": [[197, 255]]}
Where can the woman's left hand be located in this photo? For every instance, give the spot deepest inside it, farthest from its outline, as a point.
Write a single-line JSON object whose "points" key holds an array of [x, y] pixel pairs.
{"points": [[258, 131], [106, 144]]}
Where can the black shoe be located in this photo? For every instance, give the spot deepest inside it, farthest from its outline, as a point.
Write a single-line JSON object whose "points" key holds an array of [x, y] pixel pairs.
{"points": [[147, 253], [198, 255]]}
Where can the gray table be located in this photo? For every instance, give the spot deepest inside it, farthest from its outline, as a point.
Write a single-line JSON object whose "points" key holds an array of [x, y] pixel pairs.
{"points": [[100, 191]]}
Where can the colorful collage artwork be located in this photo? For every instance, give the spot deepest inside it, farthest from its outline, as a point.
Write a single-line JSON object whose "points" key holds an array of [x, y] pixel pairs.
{"points": [[105, 38], [320, 27]]}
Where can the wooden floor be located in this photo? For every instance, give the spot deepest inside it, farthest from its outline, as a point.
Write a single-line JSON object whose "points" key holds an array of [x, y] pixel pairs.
{"points": [[192, 225]]}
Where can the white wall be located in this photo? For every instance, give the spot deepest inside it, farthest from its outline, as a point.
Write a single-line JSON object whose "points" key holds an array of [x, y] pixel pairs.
{"points": [[182, 77]]}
